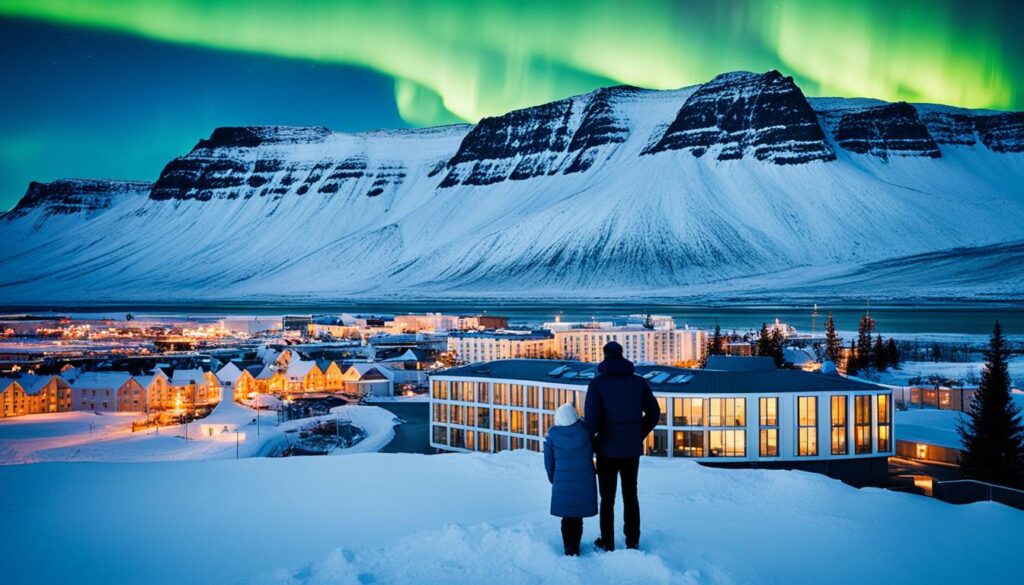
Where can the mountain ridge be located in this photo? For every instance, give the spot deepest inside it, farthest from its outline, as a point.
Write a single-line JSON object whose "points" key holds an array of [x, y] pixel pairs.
{"points": [[618, 192]]}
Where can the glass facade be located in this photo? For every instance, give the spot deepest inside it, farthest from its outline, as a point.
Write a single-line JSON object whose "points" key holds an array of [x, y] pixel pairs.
{"points": [[884, 417], [862, 424], [688, 412], [727, 443], [727, 412], [839, 425], [490, 417], [768, 440], [807, 426]]}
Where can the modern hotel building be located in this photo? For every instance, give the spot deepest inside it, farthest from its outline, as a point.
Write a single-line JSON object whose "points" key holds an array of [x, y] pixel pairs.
{"points": [[745, 413]]}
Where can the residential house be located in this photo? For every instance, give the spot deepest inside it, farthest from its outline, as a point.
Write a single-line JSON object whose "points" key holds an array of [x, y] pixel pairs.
{"points": [[303, 376], [49, 393], [238, 380], [107, 392]]}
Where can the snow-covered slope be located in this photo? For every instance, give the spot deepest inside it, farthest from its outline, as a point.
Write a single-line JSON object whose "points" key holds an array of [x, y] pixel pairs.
{"points": [[741, 187], [473, 518]]}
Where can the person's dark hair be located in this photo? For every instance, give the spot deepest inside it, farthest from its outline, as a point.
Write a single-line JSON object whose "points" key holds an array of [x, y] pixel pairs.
{"points": [[612, 350]]}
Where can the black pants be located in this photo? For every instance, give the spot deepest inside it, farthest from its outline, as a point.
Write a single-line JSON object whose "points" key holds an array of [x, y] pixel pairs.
{"points": [[572, 533], [609, 470]]}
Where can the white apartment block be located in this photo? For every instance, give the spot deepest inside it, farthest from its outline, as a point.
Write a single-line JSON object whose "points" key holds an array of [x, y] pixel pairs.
{"points": [[640, 345]]}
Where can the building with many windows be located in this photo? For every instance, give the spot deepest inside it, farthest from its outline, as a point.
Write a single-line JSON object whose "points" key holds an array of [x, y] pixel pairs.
{"points": [[641, 345], [755, 417], [479, 346]]}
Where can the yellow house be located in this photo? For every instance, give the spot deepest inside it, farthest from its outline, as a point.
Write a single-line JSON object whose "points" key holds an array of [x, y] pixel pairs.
{"points": [[334, 380], [107, 392], [270, 381], [304, 376], [46, 393], [12, 398], [238, 380]]}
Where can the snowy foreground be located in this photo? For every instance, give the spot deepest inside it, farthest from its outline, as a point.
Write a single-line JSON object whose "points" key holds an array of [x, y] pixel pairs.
{"points": [[470, 518]]}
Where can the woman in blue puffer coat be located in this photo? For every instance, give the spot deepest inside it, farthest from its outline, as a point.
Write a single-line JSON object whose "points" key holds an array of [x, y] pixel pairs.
{"points": [[569, 460]]}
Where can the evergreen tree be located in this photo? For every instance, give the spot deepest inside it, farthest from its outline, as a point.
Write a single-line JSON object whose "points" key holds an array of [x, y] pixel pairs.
{"points": [[833, 343], [764, 341], [716, 341], [864, 330], [892, 353], [992, 433], [852, 363], [879, 355], [777, 351], [936, 353]]}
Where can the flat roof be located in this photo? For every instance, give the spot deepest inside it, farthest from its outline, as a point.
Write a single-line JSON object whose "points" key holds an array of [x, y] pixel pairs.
{"points": [[504, 334], [666, 378]]}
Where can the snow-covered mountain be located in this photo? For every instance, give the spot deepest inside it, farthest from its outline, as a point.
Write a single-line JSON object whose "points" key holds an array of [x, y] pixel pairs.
{"points": [[738, 188]]}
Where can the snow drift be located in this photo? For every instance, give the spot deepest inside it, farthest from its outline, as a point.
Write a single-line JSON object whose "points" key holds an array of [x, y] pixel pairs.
{"points": [[738, 188]]}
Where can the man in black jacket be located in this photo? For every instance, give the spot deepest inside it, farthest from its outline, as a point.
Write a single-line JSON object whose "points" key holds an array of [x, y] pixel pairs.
{"points": [[620, 411]]}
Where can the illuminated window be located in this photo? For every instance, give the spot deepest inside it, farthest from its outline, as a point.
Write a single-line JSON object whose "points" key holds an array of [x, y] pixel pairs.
{"points": [[483, 442], [862, 424], [727, 412], [727, 443], [458, 438], [839, 426], [501, 394], [471, 440], [807, 425], [884, 415], [945, 399], [768, 439], [483, 392], [547, 421], [663, 417], [516, 394], [550, 398], [688, 412], [533, 444], [688, 444], [500, 419], [516, 420], [515, 443], [531, 397], [656, 443], [441, 413]]}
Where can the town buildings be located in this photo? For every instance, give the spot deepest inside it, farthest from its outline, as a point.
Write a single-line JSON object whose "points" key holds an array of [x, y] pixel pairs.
{"points": [[470, 347], [741, 414], [669, 346]]}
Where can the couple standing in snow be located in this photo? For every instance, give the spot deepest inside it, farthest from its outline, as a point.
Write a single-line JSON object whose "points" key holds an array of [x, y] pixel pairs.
{"points": [[619, 412]]}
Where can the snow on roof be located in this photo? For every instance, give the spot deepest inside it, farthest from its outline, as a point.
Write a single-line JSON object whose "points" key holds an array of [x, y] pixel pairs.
{"points": [[364, 370], [183, 377], [297, 370], [266, 373], [408, 356], [929, 425], [229, 373], [799, 356], [33, 384], [101, 380]]}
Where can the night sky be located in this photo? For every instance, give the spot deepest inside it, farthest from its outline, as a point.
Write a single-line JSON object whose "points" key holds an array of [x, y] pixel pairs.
{"points": [[116, 88]]}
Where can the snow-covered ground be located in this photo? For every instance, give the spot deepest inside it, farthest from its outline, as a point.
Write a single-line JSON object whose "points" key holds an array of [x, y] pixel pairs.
{"points": [[79, 436], [969, 372], [470, 518]]}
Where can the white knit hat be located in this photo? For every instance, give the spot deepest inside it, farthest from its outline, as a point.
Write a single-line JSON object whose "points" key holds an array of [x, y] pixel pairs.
{"points": [[565, 415]]}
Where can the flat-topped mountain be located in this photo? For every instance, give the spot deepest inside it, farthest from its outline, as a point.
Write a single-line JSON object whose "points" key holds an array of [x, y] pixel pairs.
{"points": [[738, 188]]}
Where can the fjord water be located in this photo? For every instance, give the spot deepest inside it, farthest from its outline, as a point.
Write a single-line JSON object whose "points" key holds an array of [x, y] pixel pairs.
{"points": [[947, 318]]}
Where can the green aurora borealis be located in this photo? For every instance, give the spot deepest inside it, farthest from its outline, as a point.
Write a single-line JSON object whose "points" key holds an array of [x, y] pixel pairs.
{"points": [[457, 60]]}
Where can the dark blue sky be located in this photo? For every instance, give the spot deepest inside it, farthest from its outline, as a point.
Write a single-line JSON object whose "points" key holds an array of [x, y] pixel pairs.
{"points": [[86, 103]]}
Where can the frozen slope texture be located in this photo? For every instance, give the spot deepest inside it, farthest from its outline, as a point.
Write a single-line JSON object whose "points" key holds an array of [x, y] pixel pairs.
{"points": [[740, 188]]}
